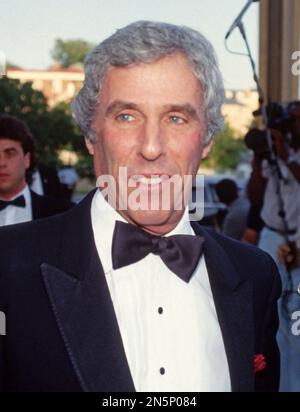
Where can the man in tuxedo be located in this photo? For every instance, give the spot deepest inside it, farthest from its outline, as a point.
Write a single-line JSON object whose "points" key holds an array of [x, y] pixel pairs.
{"points": [[45, 181], [17, 162], [125, 296]]}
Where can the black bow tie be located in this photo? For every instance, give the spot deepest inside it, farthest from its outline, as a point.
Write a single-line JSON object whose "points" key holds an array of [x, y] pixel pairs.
{"points": [[180, 253], [18, 201]]}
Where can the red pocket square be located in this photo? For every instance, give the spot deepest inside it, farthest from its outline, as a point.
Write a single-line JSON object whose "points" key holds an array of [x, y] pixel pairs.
{"points": [[259, 363]]}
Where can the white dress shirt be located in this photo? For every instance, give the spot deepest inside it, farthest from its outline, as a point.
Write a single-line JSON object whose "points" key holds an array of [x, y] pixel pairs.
{"points": [[37, 184], [290, 190], [14, 214], [169, 328]]}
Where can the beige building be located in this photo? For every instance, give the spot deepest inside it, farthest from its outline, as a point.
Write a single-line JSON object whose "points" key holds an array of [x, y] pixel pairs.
{"points": [[57, 84], [238, 109], [60, 85]]}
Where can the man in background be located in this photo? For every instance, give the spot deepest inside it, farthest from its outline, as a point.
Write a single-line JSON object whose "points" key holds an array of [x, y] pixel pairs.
{"points": [[235, 221], [264, 185], [45, 181], [17, 162], [68, 179]]}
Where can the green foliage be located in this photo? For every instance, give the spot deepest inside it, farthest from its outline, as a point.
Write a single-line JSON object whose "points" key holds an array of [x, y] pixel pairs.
{"points": [[85, 166], [226, 152], [10, 65], [20, 98], [70, 52], [53, 129]]}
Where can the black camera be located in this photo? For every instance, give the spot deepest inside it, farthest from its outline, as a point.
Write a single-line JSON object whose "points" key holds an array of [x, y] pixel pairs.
{"points": [[279, 118]]}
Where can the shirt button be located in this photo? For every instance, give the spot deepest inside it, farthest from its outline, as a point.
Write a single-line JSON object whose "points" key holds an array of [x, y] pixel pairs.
{"points": [[160, 310], [162, 371]]}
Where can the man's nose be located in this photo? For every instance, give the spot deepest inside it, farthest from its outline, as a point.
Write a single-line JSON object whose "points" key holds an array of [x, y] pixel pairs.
{"points": [[152, 141], [2, 161]]}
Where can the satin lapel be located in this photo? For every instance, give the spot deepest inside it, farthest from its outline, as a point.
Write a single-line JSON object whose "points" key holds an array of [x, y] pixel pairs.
{"points": [[233, 297], [83, 309]]}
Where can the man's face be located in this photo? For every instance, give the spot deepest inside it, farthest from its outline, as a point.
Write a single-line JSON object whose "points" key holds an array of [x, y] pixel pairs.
{"points": [[150, 120], [13, 165]]}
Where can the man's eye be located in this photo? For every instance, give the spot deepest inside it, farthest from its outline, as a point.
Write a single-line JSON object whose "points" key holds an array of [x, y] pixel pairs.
{"points": [[125, 117], [177, 120], [11, 153]]}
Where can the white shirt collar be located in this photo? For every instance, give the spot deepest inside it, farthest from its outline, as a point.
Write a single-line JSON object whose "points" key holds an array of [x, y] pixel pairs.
{"points": [[104, 216]]}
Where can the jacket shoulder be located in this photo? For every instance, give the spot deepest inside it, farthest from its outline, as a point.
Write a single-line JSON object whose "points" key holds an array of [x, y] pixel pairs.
{"points": [[248, 260], [44, 206], [26, 243]]}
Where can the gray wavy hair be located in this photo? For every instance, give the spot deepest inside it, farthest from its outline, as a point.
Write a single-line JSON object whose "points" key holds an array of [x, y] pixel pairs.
{"points": [[146, 42]]}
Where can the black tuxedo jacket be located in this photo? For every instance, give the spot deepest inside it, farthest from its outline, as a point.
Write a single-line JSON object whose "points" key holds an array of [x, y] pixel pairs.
{"points": [[50, 180], [45, 206], [61, 330]]}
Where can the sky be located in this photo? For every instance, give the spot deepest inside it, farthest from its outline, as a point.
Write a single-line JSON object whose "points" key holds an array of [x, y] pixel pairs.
{"points": [[28, 28]]}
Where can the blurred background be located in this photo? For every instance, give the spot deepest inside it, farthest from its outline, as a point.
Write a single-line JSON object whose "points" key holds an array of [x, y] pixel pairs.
{"points": [[252, 175], [43, 45]]}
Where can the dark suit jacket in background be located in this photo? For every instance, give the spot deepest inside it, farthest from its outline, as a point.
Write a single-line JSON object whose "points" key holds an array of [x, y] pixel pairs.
{"points": [[45, 206], [62, 332], [50, 180]]}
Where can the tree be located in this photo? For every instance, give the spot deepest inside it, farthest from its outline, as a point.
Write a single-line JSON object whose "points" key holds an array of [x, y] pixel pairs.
{"points": [[10, 65], [71, 138], [226, 152], [20, 98], [53, 129], [70, 52]]}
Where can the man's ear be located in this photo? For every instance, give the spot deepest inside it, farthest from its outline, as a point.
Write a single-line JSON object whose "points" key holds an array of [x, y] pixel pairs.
{"points": [[89, 146], [27, 159], [207, 149]]}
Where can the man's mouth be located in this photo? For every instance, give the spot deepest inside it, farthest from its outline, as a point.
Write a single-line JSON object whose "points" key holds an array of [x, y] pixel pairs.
{"points": [[147, 179]]}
